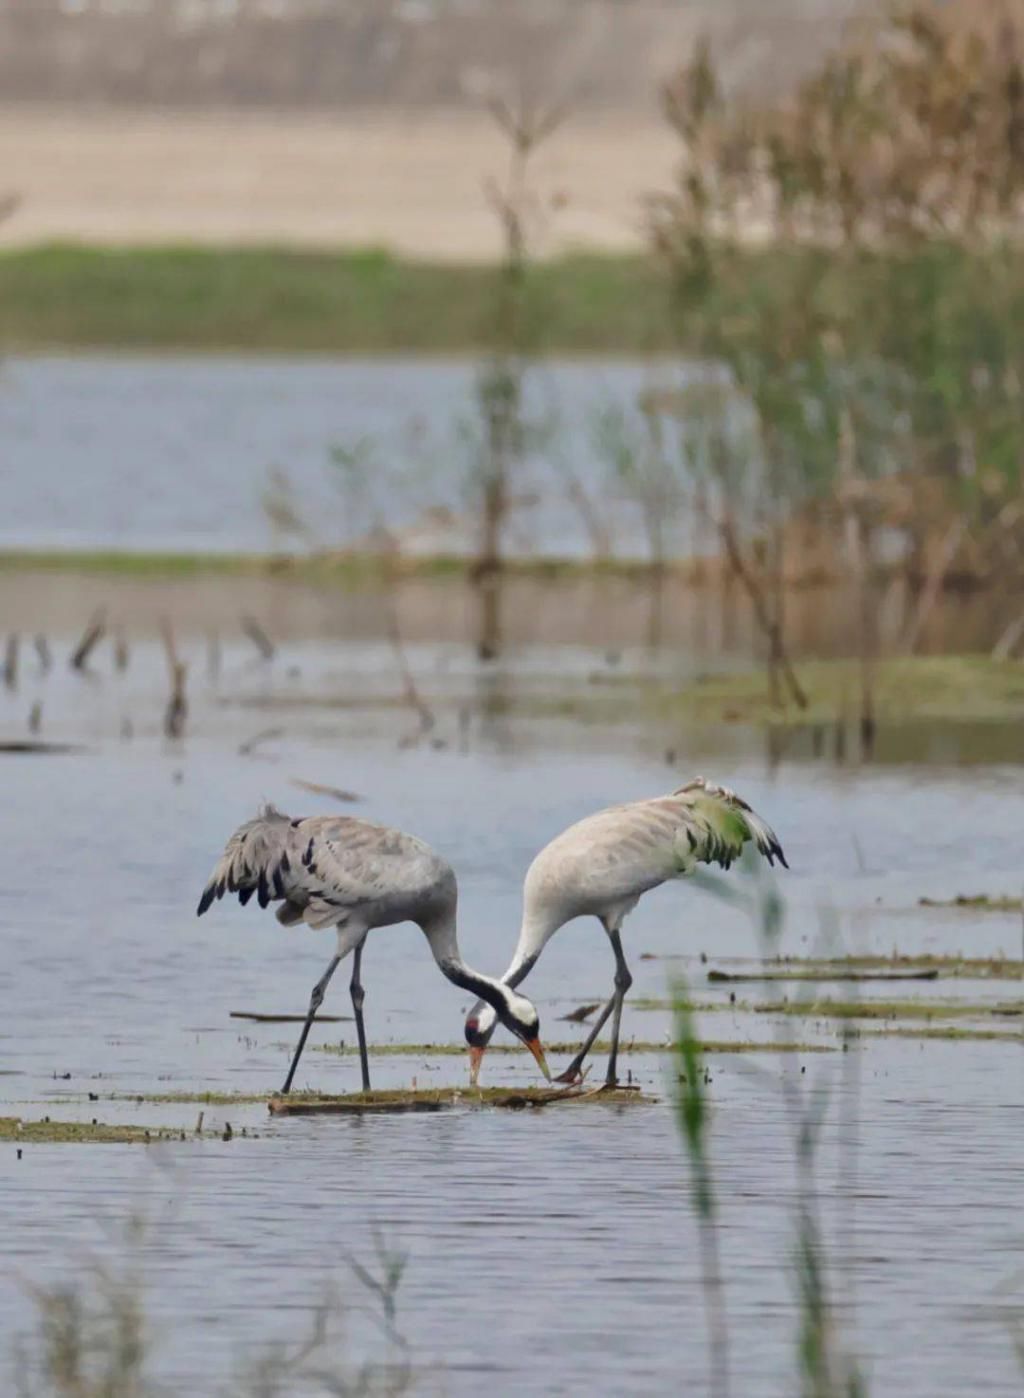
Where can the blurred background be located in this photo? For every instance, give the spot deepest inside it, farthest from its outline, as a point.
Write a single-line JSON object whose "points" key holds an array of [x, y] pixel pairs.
{"points": [[697, 321], [469, 414]]}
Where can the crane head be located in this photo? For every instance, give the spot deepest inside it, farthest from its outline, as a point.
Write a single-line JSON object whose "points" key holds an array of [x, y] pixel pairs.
{"points": [[518, 1015]]}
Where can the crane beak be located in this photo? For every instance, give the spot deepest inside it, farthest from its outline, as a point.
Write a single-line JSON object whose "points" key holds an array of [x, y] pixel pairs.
{"points": [[476, 1057], [535, 1048]]}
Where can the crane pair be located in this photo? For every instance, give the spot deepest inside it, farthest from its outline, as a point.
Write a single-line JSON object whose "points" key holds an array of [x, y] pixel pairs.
{"points": [[354, 875]]}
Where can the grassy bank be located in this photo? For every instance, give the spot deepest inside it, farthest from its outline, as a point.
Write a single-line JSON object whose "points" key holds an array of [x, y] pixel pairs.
{"points": [[941, 687], [356, 302]]}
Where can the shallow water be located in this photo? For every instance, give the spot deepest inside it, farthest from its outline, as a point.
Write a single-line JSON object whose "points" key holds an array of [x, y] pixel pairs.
{"points": [[556, 1251], [176, 453]]}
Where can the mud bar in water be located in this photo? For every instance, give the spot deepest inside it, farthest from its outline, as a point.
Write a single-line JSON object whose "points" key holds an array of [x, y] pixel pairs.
{"points": [[443, 1098]]}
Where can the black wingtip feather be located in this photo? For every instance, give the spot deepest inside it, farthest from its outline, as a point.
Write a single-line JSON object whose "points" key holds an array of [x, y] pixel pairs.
{"points": [[262, 891], [244, 894], [209, 893]]}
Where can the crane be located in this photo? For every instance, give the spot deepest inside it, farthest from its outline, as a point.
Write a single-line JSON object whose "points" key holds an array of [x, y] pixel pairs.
{"points": [[353, 875], [602, 866]]}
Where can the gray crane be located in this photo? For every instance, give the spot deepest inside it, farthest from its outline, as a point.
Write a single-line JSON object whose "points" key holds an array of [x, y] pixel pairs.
{"points": [[352, 875], [601, 866]]}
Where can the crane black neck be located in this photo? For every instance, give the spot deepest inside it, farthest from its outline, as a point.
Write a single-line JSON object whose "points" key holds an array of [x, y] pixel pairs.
{"points": [[481, 986]]}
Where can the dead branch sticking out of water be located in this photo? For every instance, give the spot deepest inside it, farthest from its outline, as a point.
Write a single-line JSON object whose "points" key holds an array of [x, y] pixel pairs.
{"points": [[337, 793], [35, 717], [120, 651], [34, 746], [285, 1019], [411, 693], [259, 637], [824, 974], [43, 652], [91, 637], [582, 1013], [263, 736], [177, 705], [11, 661]]}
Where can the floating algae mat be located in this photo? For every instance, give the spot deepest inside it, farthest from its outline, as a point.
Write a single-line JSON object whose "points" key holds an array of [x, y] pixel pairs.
{"points": [[598, 1050], [49, 1132], [439, 1099]]}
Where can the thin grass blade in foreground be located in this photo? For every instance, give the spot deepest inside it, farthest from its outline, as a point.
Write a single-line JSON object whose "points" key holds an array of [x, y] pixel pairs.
{"points": [[692, 1110]]}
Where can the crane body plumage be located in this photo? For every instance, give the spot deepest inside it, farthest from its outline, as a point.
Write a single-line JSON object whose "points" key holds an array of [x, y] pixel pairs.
{"points": [[354, 875], [603, 865]]}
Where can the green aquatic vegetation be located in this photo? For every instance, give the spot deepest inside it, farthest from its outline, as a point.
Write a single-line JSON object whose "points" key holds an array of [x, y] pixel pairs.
{"points": [[439, 1098], [949, 966], [826, 1008], [50, 1132], [951, 1032], [602, 1046], [202, 1099], [978, 901], [951, 687]]}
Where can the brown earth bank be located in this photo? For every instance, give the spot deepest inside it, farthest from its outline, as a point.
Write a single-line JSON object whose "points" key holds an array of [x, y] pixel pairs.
{"points": [[605, 611], [411, 182]]}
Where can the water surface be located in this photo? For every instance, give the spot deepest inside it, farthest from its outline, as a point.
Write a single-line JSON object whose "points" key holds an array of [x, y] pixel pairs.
{"points": [[552, 1252]]}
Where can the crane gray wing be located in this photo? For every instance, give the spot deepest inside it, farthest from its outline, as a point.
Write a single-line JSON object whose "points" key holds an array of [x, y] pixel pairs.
{"points": [[322, 869]]}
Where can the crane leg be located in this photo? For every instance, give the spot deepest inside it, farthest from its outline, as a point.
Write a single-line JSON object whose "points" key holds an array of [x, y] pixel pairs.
{"points": [[573, 1071], [623, 980], [358, 995], [315, 1001]]}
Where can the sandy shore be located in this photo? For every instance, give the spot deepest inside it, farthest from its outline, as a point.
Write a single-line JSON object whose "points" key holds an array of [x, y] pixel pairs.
{"points": [[410, 181]]}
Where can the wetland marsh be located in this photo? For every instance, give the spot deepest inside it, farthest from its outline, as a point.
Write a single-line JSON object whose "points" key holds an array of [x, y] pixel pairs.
{"points": [[141, 1048], [119, 1004]]}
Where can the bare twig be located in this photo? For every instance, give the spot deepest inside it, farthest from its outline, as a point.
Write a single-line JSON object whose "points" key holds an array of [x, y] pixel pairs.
{"points": [[177, 707], [259, 637], [213, 656], [11, 661], [93, 634], [412, 695], [264, 736], [337, 793]]}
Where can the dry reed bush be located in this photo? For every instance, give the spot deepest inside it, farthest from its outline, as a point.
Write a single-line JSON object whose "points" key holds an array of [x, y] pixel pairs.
{"points": [[850, 254]]}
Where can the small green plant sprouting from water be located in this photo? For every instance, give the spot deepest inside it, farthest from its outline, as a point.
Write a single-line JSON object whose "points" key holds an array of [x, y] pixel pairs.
{"points": [[826, 1369], [692, 1112]]}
